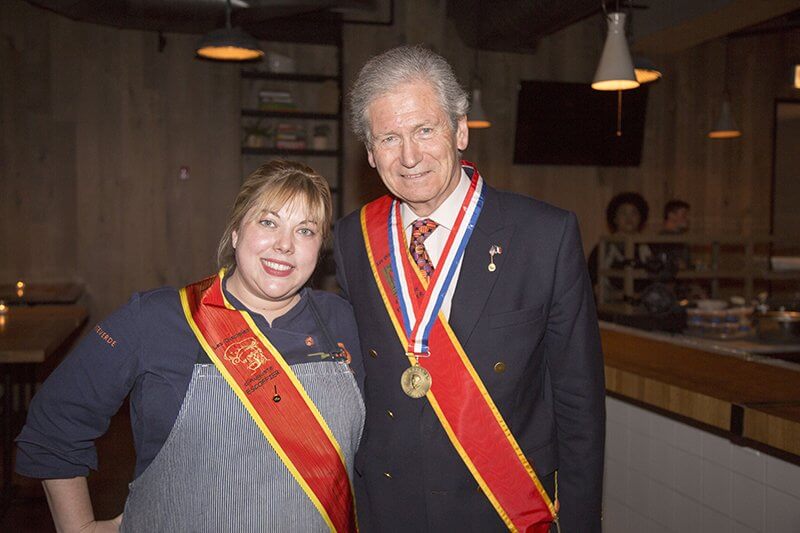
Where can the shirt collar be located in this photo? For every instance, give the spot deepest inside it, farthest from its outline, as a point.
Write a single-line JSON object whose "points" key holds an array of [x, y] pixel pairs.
{"points": [[445, 215]]}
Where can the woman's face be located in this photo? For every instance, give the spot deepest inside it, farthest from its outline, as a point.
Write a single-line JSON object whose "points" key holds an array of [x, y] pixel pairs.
{"points": [[627, 218], [276, 253]]}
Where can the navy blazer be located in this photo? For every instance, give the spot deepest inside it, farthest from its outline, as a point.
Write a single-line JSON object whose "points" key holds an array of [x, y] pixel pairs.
{"points": [[535, 313]]}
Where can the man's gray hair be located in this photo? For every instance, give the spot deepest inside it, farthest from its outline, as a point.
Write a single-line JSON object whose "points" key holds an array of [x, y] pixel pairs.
{"points": [[404, 64]]}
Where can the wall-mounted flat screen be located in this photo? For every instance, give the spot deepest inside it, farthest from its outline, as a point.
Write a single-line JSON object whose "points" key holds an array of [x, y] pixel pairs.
{"points": [[560, 123]]}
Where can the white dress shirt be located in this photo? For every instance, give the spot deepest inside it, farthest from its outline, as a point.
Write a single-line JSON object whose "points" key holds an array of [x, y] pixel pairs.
{"points": [[445, 216]]}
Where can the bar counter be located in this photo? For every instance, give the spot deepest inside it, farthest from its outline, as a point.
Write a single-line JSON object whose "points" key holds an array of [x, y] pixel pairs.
{"points": [[737, 389]]}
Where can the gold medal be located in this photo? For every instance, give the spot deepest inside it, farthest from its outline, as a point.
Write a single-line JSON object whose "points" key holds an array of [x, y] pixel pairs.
{"points": [[415, 381]]}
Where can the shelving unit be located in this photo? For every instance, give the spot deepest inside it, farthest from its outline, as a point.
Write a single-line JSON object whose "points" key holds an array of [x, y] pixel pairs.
{"points": [[320, 102], [751, 267]]}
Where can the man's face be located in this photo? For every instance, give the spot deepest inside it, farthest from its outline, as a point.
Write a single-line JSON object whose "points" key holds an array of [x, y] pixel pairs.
{"points": [[678, 220], [414, 147]]}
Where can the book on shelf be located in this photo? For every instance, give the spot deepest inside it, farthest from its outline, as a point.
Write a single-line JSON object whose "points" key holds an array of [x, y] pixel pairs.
{"points": [[282, 144], [276, 101]]}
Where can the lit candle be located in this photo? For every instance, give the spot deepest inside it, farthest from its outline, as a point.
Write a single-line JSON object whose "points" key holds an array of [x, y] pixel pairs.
{"points": [[3, 308]]}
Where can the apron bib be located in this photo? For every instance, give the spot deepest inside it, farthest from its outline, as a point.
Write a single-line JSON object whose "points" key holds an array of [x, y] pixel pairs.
{"points": [[217, 472]]}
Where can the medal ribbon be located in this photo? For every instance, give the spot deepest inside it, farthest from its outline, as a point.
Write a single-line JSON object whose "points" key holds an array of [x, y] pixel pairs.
{"points": [[419, 312], [457, 395], [289, 420]]}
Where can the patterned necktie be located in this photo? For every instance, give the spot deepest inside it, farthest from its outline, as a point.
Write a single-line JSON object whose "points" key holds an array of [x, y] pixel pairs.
{"points": [[420, 231]]}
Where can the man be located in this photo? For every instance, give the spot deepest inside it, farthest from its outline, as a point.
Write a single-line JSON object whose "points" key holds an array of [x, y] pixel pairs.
{"points": [[676, 255], [484, 370], [676, 217]]}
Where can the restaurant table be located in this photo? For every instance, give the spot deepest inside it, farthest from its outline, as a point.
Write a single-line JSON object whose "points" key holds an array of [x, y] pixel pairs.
{"points": [[29, 336], [40, 293]]}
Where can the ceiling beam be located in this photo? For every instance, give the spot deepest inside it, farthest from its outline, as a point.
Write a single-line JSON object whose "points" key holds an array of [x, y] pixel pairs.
{"points": [[734, 16]]}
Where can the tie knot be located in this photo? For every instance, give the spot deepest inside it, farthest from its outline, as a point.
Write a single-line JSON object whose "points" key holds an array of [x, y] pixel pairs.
{"points": [[422, 228]]}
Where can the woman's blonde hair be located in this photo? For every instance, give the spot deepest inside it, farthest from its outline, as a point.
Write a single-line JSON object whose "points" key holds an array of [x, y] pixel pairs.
{"points": [[270, 187]]}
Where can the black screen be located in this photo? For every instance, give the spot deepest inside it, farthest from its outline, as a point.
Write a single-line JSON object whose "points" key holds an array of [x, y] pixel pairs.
{"points": [[561, 123]]}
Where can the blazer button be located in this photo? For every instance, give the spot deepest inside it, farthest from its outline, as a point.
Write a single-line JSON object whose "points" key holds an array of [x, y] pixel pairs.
{"points": [[388, 475], [390, 414], [373, 354], [500, 367]]}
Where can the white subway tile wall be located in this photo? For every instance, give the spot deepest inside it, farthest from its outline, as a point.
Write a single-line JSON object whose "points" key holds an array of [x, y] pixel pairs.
{"points": [[665, 476]]}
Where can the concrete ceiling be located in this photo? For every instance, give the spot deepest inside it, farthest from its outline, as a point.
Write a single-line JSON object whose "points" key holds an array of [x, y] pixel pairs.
{"points": [[657, 26]]}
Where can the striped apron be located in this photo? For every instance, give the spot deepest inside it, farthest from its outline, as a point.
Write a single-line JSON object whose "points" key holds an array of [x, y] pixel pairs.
{"points": [[217, 472]]}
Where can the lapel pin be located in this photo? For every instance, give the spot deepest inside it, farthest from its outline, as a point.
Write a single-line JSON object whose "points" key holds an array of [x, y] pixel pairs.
{"points": [[496, 249]]}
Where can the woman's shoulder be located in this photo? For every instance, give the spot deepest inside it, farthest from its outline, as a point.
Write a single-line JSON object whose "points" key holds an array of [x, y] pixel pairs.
{"points": [[164, 299], [330, 302]]}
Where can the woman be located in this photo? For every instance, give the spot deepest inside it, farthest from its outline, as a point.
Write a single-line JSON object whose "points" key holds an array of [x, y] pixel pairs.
{"points": [[245, 408], [626, 214]]}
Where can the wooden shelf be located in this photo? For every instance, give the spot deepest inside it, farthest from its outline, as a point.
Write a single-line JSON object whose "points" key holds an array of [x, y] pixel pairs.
{"points": [[290, 114], [286, 151], [752, 268], [639, 273], [285, 76], [327, 94]]}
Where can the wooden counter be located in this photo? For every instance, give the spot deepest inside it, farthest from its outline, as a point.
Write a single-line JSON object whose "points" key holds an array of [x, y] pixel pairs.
{"points": [[28, 337], [32, 334], [741, 394]]}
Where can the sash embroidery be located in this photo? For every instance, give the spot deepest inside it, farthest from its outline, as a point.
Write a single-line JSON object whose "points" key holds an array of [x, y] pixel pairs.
{"points": [[275, 399], [482, 439]]}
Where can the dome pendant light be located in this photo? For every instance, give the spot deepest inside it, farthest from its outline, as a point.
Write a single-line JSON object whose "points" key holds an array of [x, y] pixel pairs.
{"points": [[615, 70], [229, 44], [477, 118]]}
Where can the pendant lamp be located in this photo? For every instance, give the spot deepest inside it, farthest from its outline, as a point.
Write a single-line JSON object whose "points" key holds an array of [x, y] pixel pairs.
{"points": [[615, 70], [477, 118], [229, 44], [645, 70], [725, 126]]}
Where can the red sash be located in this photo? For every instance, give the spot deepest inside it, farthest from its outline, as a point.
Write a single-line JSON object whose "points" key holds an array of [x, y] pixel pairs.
{"points": [[275, 399], [458, 396]]}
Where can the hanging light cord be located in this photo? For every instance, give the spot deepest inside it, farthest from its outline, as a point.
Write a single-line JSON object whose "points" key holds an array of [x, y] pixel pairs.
{"points": [[605, 9], [228, 14]]}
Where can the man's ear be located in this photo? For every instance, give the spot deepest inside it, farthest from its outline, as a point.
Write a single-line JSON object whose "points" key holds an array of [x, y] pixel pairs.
{"points": [[370, 157], [462, 134]]}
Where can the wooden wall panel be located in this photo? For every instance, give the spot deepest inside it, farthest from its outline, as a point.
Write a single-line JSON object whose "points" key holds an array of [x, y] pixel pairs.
{"points": [[96, 124]]}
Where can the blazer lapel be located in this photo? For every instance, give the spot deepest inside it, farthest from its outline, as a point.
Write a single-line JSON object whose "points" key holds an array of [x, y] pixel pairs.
{"points": [[475, 282]]}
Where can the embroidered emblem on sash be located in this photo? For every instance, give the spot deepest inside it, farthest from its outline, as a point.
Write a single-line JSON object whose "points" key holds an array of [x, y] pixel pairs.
{"points": [[246, 352]]}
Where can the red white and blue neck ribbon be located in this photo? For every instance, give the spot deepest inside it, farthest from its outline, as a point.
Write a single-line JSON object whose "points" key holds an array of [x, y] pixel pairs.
{"points": [[419, 313]]}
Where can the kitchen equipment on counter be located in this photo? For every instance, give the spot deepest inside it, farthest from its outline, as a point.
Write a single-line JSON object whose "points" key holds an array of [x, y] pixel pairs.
{"points": [[778, 325], [716, 319]]}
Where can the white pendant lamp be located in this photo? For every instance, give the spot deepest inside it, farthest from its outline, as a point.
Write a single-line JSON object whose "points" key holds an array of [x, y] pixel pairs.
{"points": [[725, 127], [229, 44], [615, 70], [477, 118]]}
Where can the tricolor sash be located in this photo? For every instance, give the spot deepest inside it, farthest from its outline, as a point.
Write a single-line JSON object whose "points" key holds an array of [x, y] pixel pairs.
{"points": [[274, 397], [457, 395]]}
